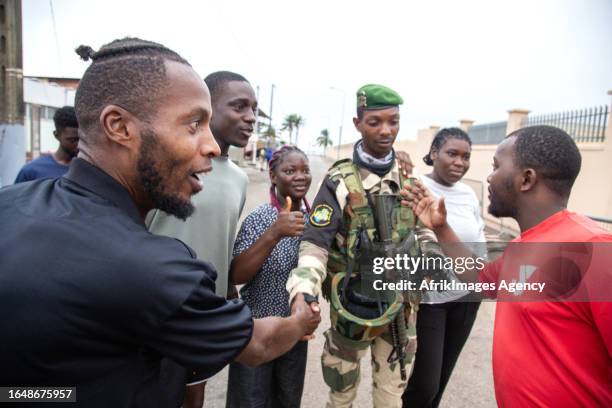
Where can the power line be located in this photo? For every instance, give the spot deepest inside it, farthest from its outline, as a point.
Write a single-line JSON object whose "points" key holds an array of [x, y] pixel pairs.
{"points": [[57, 47]]}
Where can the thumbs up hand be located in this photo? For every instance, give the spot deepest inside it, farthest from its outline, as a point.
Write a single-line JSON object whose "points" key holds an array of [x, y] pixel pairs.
{"points": [[288, 203], [289, 223]]}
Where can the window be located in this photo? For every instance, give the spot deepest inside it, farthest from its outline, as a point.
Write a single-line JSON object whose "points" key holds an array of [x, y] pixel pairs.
{"points": [[47, 112]]}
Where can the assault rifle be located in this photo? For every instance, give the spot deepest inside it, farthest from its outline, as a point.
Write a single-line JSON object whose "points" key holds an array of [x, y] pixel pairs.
{"points": [[383, 217]]}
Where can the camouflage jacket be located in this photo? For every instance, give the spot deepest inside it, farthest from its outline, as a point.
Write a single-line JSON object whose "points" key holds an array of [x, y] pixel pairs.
{"points": [[325, 226]]}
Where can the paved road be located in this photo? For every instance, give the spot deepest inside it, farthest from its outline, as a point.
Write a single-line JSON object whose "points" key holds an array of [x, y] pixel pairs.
{"points": [[471, 384]]}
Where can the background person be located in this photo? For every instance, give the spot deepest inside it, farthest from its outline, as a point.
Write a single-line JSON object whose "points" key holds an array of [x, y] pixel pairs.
{"points": [[263, 159], [211, 230], [444, 319], [56, 164], [267, 249]]}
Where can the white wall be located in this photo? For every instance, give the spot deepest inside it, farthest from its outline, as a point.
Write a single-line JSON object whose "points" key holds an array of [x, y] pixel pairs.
{"points": [[47, 94]]}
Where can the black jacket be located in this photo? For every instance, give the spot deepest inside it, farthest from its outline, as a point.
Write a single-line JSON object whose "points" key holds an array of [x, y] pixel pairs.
{"points": [[91, 299]]}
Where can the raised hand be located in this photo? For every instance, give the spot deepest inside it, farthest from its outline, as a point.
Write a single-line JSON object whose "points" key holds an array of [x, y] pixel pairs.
{"points": [[431, 211], [289, 223], [404, 162]]}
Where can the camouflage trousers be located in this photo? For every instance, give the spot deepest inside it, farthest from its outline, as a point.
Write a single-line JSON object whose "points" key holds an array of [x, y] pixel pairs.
{"points": [[341, 366]]}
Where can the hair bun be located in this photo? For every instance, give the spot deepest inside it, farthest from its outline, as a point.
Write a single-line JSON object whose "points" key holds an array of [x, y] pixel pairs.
{"points": [[85, 52], [427, 159]]}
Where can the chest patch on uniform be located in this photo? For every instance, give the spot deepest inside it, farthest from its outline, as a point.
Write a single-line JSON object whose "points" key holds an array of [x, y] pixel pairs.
{"points": [[321, 215]]}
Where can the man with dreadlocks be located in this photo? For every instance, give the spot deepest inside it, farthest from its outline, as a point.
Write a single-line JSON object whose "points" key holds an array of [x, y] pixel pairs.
{"points": [[103, 315], [55, 165], [333, 262]]}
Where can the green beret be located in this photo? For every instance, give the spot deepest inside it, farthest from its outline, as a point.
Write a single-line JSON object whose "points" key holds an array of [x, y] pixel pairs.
{"points": [[373, 96]]}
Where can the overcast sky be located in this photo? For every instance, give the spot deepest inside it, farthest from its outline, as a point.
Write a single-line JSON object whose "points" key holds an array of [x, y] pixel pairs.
{"points": [[449, 59]]}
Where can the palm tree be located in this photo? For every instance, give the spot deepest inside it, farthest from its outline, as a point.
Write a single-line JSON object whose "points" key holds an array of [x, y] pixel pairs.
{"points": [[289, 124], [293, 122], [297, 122], [324, 140]]}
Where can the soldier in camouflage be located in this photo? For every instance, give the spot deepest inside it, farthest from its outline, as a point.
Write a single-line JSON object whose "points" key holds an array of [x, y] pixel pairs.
{"points": [[341, 212]]}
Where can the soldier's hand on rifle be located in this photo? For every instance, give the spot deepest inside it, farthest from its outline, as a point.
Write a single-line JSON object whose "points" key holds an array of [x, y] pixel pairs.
{"points": [[308, 314], [289, 223], [431, 211], [404, 162]]}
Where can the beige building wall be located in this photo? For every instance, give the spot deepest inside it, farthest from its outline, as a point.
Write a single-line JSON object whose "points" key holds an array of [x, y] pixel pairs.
{"points": [[592, 192]]}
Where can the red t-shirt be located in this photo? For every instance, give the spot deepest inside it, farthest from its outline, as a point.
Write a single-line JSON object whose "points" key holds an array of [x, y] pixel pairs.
{"points": [[554, 354]]}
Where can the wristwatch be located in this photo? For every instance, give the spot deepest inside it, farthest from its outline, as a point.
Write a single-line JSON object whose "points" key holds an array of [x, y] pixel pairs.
{"points": [[309, 298]]}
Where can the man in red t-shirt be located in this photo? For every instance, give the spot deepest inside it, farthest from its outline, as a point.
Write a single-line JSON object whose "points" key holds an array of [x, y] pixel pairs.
{"points": [[546, 352]]}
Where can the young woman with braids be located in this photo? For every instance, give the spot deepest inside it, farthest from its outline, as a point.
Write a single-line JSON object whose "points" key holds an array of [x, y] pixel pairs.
{"points": [[445, 319], [266, 250]]}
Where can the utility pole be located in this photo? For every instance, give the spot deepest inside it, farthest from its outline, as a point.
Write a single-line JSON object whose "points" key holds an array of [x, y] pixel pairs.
{"points": [[341, 120], [270, 121], [12, 140], [255, 131]]}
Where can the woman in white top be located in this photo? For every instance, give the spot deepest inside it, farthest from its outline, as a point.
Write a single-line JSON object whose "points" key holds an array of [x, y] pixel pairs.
{"points": [[445, 318]]}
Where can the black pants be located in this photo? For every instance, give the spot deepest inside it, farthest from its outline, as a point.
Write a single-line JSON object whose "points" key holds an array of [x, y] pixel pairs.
{"points": [[442, 330], [277, 384]]}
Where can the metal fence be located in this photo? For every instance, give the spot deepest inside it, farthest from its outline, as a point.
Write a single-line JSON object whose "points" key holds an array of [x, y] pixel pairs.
{"points": [[584, 125], [488, 133]]}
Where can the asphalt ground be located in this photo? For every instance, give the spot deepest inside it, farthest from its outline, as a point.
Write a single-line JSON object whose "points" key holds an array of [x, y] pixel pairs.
{"points": [[471, 384]]}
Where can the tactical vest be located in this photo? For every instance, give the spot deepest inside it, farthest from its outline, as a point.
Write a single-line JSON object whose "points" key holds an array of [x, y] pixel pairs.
{"points": [[358, 214], [357, 221]]}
